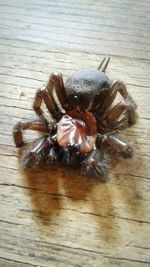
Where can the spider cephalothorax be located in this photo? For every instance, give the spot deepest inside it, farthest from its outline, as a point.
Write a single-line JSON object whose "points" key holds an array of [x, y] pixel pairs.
{"points": [[84, 120]]}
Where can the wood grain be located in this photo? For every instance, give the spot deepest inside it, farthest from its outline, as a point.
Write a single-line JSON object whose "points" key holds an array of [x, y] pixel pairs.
{"points": [[56, 217]]}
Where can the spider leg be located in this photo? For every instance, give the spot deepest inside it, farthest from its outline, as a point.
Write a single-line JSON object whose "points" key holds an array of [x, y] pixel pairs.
{"points": [[130, 103], [50, 103], [105, 66], [38, 154], [46, 95], [114, 113], [95, 165], [41, 126], [108, 100], [109, 115], [52, 156], [115, 145], [109, 119], [57, 79]]}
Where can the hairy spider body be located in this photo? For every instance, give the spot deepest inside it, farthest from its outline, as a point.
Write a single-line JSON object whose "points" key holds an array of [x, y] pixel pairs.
{"points": [[85, 88], [83, 126]]}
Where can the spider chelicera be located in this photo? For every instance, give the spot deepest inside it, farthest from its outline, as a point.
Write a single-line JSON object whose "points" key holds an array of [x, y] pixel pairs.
{"points": [[83, 121]]}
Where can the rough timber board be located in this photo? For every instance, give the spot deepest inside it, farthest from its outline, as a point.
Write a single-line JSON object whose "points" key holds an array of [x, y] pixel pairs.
{"points": [[58, 218]]}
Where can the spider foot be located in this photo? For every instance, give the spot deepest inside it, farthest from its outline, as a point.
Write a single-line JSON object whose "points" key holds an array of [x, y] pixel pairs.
{"points": [[132, 117], [127, 152], [94, 166]]}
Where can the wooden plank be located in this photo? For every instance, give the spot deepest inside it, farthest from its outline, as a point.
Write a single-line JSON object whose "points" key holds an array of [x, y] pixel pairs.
{"points": [[55, 217], [100, 16]]}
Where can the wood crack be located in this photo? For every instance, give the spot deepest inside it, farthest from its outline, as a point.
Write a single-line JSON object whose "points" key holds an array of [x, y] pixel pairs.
{"points": [[81, 249], [58, 195], [87, 36], [73, 14], [51, 23], [80, 51], [21, 262]]}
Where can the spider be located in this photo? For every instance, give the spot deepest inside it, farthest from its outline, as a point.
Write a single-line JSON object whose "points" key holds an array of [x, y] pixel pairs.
{"points": [[85, 119]]}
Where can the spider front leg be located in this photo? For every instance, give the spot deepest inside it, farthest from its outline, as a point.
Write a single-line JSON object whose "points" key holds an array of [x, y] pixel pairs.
{"points": [[115, 144], [95, 165], [46, 95], [109, 115], [130, 104], [57, 80], [41, 126]]}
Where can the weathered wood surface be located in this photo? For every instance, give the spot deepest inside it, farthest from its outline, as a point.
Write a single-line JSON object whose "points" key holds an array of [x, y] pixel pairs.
{"points": [[57, 218]]}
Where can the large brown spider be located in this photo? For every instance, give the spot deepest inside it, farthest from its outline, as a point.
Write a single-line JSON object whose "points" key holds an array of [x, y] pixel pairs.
{"points": [[84, 124]]}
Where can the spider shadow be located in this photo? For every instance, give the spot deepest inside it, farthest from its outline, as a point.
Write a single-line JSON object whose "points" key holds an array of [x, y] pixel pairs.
{"points": [[50, 186], [51, 189]]}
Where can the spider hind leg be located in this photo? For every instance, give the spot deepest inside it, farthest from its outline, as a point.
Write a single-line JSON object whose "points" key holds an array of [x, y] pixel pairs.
{"points": [[37, 154], [43, 153], [116, 145]]}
